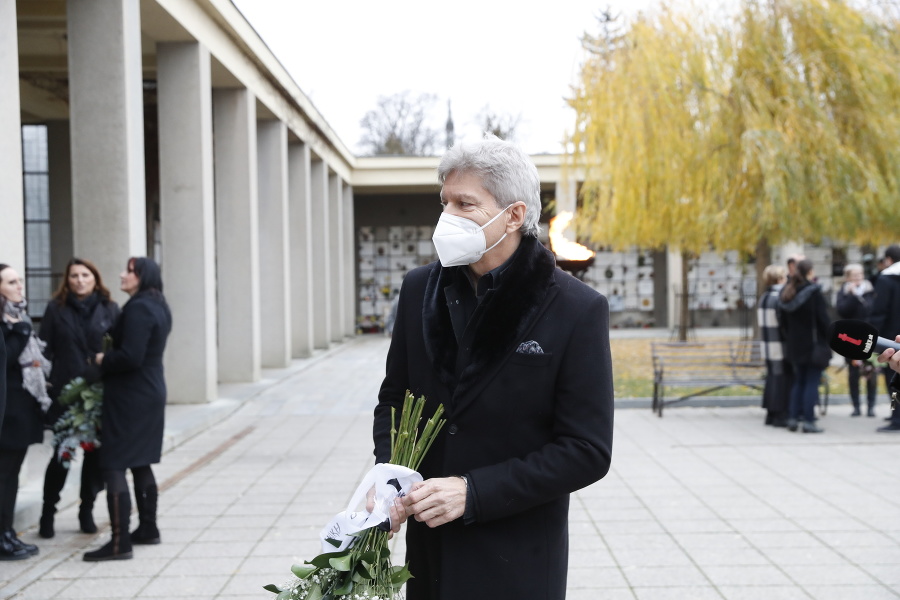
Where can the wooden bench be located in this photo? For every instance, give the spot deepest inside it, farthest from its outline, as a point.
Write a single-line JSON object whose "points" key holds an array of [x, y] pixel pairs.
{"points": [[703, 367]]}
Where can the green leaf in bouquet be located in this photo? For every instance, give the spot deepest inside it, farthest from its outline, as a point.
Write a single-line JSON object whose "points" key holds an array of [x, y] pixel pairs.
{"points": [[400, 575], [345, 587], [341, 563], [322, 560], [362, 572], [315, 593], [285, 595], [303, 571], [272, 588]]}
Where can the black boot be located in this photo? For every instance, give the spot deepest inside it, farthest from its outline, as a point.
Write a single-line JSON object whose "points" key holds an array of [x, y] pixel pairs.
{"points": [[146, 532], [119, 547], [46, 529], [86, 517], [10, 550]]}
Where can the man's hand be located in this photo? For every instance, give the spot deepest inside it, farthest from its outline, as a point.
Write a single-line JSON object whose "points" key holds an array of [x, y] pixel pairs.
{"points": [[398, 511], [891, 357], [437, 501]]}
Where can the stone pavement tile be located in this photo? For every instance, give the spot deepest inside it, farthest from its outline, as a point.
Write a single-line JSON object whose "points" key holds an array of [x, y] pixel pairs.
{"points": [[96, 588], [600, 594], [182, 585], [627, 557], [595, 577], [763, 592], [782, 539], [212, 550], [858, 539], [853, 592], [886, 574], [686, 525], [695, 592], [751, 575], [591, 559], [238, 535], [202, 566], [845, 574], [652, 576], [806, 556], [729, 556], [692, 541], [250, 585]]}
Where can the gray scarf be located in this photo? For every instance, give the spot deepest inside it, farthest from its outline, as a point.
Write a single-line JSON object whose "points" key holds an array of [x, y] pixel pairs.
{"points": [[35, 368]]}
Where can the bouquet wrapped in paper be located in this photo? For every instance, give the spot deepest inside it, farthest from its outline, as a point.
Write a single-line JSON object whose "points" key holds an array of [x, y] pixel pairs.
{"points": [[355, 563]]}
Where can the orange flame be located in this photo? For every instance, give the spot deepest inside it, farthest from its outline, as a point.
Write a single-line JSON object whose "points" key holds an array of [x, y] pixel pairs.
{"points": [[563, 247]]}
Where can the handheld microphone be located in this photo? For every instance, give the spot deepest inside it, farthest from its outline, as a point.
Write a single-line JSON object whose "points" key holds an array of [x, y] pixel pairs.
{"points": [[857, 340]]}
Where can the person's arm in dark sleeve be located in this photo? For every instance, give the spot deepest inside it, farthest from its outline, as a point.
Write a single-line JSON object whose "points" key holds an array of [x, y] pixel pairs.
{"points": [[881, 305], [137, 327]]}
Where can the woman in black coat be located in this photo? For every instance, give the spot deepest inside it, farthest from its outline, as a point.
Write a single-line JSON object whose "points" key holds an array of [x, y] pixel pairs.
{"points": [[854, 301], [804, 321], [134, 401], [23, 423], [73, 327]]}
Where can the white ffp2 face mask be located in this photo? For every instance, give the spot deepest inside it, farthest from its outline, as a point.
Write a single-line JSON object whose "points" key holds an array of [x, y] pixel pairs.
{"points": [[460, 241]]}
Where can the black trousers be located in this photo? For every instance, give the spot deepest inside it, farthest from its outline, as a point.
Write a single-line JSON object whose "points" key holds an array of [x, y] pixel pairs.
{"points": [[91, 479], [10, 465]]}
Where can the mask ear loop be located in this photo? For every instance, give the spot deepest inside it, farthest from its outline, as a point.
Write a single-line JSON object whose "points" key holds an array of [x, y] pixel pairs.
{"points": [[488, 223]]}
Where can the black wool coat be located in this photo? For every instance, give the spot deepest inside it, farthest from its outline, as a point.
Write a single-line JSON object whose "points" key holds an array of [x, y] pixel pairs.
{"points": [[2, 381], [70, 346], [134, 386], [23, 421], [526, 429], [804, 323]]}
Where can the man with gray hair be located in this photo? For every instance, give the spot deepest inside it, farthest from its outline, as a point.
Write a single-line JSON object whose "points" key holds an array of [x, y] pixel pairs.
{"points": [[518, 353]]}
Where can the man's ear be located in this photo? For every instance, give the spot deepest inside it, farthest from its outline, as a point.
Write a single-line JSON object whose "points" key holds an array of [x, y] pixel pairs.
{"points": [[516, 217]]}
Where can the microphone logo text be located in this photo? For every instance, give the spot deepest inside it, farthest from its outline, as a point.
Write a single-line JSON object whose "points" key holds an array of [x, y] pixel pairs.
{"points": [[869, 341]]}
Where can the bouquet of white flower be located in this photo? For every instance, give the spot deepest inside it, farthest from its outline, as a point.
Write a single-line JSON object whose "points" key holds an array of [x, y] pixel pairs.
{"points": [[361, 568], [79, 425]]}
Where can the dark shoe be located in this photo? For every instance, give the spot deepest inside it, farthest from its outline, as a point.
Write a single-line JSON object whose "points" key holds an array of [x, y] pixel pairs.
{"points": [[889, 428], [86, 519], [870, 412], [812, 428], [792, 424], [11, 551], [855, 412], [780, 422], [13, 539], [145, 534], [46, 528], [113, 550]]}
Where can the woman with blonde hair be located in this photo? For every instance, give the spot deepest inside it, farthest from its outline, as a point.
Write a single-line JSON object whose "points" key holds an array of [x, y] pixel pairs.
{"points": [[854, 301]]}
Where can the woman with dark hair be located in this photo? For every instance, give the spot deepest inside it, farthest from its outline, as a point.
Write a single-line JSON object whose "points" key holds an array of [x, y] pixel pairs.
{"points": [[26, 402], [134, 400], [804, 321], [74, 324]]}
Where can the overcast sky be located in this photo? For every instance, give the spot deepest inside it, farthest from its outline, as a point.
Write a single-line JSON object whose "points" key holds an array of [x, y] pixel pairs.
{"points": [[519, 58]]}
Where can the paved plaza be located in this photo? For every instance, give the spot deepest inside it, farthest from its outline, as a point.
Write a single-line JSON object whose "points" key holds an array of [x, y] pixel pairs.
{"points": [[703, 503]]}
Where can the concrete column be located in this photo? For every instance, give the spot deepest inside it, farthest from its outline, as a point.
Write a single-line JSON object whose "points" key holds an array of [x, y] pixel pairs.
{"points": [[300, 216], [336, 255], [107, 129], [321, 278], [274, 258], [237, 234], [351, 293], [187, 218], [567, 201], [12, 242], [59, 166]]}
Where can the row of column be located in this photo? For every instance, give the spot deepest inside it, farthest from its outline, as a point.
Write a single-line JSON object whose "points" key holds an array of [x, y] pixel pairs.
{"points": [[254, 229]]}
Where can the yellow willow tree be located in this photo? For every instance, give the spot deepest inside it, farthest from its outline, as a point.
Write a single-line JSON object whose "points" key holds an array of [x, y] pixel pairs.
{"points": [[647, 133], [781, 124]]}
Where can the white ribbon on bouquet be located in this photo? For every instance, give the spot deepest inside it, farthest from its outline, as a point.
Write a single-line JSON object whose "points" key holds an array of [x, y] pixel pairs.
{"points": [[390, 482]]}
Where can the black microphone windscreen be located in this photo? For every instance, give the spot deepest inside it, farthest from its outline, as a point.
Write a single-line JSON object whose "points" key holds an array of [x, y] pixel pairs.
{"points": [[852, 339]]}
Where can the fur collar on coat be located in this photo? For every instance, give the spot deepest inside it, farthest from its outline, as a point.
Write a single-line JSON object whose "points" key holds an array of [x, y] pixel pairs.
{"points": [[509, 312]]}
